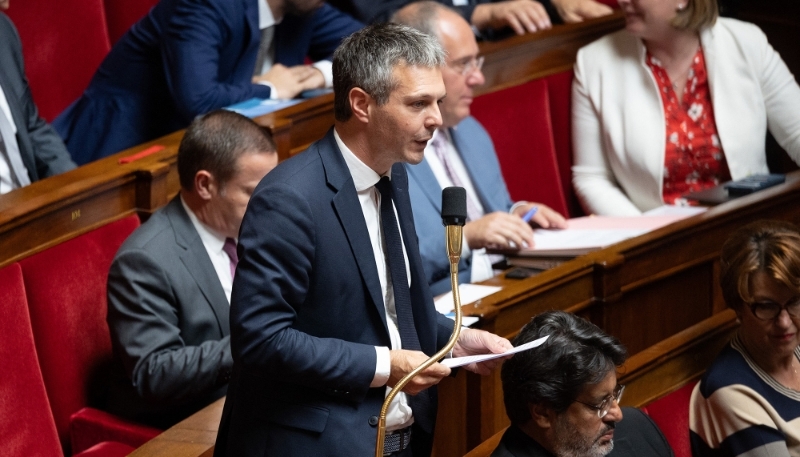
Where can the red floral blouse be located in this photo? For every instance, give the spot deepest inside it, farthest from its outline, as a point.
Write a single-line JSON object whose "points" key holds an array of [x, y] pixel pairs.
{"points": [[694, 159]]}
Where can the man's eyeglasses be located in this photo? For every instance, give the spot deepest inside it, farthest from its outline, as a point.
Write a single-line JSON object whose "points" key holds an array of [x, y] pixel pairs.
{"points": [[605, 406], [769, 310], [467, 66]]}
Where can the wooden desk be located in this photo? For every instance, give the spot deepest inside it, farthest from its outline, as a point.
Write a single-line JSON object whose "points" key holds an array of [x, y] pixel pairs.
{"points": [[192, 437], [643, 291]]}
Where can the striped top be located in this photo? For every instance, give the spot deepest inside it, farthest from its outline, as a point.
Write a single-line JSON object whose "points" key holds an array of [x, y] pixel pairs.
{"points": [[737, 409]]}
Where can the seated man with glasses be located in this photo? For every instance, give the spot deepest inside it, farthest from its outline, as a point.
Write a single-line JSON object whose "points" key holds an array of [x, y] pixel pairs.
{"points": [[462, 154], [748, 402], [563, 397]]}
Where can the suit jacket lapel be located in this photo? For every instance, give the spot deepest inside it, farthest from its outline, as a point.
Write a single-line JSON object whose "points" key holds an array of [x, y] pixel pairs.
{"points": [[472, 162], [425, 179], [195, 259], [348, 209]]}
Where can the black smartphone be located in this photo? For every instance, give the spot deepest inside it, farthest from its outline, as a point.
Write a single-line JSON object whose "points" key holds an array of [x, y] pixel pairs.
{"points": [[521, 273]]}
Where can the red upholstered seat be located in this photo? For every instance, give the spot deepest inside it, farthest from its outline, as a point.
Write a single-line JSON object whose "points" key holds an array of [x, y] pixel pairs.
{"points": [[518, 120], [671, 414], [66, 288], [122, 14], [26, 423], [63, 43]]}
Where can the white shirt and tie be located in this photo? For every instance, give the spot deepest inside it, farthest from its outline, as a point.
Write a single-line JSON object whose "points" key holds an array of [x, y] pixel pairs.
{"points": [[213, 243], [13, 173], [449, 170], [266, 49], [399, 414]]}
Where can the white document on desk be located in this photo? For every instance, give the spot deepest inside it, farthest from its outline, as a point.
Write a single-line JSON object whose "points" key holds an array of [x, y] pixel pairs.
{"points": [[461, 361], [468, 293]]}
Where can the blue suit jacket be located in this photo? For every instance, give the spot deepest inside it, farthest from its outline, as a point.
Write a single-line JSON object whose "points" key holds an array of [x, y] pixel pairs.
{"points": [[41, 149], [185, 58], [477, 152], [307, 311]]}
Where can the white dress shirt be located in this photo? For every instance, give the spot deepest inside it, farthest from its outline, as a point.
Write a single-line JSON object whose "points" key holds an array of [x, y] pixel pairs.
{"points": [[399, 414], [213, 243], [7, 182], [266, 20], [481, 261]]}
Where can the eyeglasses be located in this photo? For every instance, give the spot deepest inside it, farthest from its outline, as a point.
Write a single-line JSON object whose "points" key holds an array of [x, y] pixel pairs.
{"points": [[769, 310], [605, 406], [467, 66]]}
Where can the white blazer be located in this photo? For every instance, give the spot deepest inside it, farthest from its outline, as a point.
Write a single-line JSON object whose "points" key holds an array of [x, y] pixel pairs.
{"points": [[618, 124]]}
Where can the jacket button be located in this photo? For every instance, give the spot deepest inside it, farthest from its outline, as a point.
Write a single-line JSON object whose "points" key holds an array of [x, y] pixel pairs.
{"points": [[373, 420]]}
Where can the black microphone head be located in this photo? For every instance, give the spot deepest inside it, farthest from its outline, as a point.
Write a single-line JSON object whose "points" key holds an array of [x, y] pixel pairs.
{"points": [[454, 206]]}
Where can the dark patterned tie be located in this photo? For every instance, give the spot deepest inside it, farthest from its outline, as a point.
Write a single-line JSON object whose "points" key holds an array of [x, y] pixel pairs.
{"points": [[230, 248], [395, 260]]}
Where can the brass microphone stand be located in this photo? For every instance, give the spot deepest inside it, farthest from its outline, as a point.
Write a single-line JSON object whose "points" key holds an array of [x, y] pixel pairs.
{"points": [[453, 241]]}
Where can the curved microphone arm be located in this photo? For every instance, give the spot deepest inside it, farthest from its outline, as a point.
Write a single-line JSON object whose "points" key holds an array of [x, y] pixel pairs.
{"points": [[453, 240]]}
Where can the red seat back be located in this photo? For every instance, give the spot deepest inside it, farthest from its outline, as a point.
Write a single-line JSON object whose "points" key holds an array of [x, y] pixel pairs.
{"points": [[122, 14], [66, 288], [671, 414], [519, 122], [63, 43], [559, 91], [26, 423]]}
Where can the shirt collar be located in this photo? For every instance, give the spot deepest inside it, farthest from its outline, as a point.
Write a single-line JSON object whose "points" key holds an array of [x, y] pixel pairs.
{"points": [[265, 17], [208, 236], [364, 177]]}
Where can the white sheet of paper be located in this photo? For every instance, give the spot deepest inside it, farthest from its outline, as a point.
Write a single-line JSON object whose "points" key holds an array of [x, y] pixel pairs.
{"points": [[469, 293], [461, 361]]}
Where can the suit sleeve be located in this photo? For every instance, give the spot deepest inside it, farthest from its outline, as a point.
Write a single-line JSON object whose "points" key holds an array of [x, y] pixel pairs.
{"points": [[592, 177], [146, 336], [191, 49], [781, 96], [329, 27], [50, 154], [273, 279]]}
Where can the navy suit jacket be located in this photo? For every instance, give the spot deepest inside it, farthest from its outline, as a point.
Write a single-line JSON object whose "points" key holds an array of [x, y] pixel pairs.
{"points": [[307, 311], [186, 58], [42, 151], [477, 152], [168, 317]]}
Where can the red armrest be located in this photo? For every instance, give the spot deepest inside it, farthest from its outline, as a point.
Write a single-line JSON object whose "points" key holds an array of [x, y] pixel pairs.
{"points": [[89, 426]]}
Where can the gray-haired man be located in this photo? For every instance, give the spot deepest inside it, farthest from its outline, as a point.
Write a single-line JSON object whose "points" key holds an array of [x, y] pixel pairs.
{"points": [[330, 304]]}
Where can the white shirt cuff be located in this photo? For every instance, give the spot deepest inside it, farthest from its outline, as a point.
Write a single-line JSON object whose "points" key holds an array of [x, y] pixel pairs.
{"points": [[273, 94], [383, 367], [326, 67]]}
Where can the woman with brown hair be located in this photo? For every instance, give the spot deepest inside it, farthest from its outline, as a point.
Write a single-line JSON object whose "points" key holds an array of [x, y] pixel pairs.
{"points": [[748, 402], [677, 102]]}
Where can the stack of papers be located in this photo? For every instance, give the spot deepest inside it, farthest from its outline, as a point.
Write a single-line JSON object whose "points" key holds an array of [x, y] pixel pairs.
{"points": [[590, 233], [469, 293]]}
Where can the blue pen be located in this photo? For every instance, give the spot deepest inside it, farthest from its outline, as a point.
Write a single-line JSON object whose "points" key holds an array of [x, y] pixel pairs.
{"points": [[529, 215]]}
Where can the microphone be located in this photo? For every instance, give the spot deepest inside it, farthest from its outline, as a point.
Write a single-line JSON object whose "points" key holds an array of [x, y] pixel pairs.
{"points": [[454, 216]]}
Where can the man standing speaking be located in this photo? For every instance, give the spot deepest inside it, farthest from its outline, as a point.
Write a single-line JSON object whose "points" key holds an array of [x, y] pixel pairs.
{"points": [[330, 304]]}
